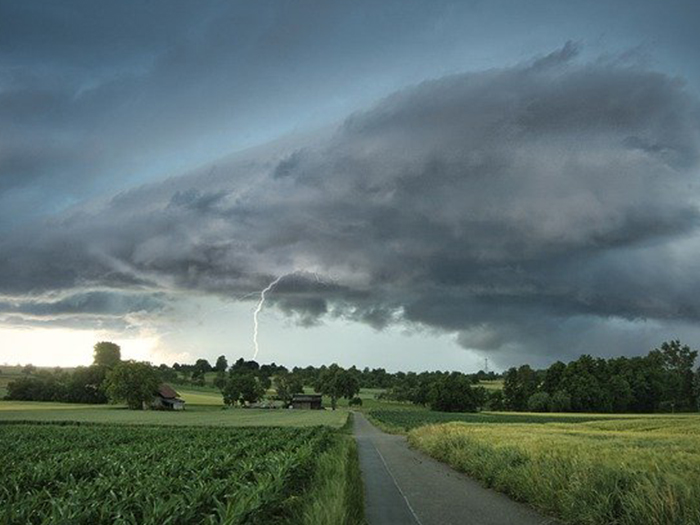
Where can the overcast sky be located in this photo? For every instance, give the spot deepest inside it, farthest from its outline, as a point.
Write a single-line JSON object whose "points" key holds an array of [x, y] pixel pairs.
{"points": [[434, 183]]}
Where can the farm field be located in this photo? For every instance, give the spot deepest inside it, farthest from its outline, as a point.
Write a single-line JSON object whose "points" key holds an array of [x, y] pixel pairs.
{"points": [[200, 397], [402, 420], [194, 415], [496, 384], [617, 471], [106, 474]]}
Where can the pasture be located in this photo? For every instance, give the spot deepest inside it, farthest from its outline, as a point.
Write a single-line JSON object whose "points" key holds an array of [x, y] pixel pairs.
{"points": [[604, 470], [196, 415], [491, 384], [105, 474]]}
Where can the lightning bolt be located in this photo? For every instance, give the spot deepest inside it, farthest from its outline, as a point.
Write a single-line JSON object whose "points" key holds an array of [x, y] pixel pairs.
{"points": [[261, 302], [257, 310]]}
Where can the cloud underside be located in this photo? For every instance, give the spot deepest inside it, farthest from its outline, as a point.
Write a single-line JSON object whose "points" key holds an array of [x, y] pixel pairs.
{"points": [[522, 209]]}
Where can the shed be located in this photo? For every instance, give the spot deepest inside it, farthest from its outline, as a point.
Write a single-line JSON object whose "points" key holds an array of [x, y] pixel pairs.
{"points": [[166, 398], [307, 401]]}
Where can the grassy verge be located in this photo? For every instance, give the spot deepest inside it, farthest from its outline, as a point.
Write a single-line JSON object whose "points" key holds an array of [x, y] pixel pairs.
{"points": [[337, 497], [613, 472]]}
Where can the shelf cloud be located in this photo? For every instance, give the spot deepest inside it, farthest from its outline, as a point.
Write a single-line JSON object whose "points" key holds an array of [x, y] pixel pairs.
{"points": [[514, 207]]}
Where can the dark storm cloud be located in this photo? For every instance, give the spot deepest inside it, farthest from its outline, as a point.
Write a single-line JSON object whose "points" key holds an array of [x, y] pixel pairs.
{"points": [[99, 97], [94, 308], [171, 83], [513, 207]]}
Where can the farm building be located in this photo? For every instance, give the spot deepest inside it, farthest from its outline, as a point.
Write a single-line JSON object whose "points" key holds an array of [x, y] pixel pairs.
{"points": [[307, 401], [166, 399]]}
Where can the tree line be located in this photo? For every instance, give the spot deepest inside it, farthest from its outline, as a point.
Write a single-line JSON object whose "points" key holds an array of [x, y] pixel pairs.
{"points": [[109, 379], [664, 380]]}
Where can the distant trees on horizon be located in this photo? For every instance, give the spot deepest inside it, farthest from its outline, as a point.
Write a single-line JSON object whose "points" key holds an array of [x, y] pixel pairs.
{"points": [[662, 381], [665, 380]]}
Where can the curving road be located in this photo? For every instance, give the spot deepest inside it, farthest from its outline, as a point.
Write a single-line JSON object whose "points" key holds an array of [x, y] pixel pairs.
{"points": [[406, 487]]}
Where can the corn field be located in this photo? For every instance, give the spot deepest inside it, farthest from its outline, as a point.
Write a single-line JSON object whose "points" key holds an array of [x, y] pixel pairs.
{"points": [[93, 474]]}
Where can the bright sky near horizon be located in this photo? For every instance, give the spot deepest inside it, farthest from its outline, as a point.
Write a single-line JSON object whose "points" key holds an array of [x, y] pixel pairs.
{"points": [[440, 182]]}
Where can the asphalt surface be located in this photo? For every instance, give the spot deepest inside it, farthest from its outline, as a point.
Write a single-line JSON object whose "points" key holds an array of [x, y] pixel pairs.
{"points": [[406, 487]]}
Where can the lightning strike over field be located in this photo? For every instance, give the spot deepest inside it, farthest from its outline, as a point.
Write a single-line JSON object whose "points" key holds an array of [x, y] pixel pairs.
{"points": [[261, 302], [257, 310]]}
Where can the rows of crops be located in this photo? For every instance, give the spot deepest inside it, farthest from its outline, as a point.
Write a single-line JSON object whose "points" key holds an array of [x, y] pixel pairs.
{"points": [[83, 474], [617, 472], [406, 420]]}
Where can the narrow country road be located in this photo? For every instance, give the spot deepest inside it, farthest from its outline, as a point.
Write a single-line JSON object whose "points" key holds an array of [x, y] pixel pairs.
{"points": [[406, 487]]}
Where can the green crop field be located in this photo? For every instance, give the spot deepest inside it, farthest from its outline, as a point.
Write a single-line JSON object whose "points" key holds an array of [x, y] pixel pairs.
{"points": [[94, 474], [623, 471], [193, 415], [402, 420]]}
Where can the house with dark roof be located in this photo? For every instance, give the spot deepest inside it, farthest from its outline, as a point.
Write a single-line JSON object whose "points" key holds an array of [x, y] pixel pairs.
{"points": [[166, 398]]}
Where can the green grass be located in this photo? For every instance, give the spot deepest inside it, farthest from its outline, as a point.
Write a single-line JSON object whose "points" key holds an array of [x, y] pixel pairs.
{"points": [[12, 406], [107, 474], [402, 419], [200, 397], [496, 384], [338, 498], [196, 415], [625, 471]]}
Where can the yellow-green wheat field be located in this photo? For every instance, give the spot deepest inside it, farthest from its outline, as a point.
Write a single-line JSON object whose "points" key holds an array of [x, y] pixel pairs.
{"points": [[625, 471]]}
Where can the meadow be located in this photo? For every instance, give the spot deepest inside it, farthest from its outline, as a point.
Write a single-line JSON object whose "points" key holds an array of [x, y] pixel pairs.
{"points": [[92, 474], [613, 471], [193, 415]]}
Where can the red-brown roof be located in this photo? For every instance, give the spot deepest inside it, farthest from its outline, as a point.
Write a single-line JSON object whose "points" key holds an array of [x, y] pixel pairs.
{"points": [[166, 391]]}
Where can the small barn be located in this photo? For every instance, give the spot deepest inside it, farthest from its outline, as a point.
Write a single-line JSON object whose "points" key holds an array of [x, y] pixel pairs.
{"points": [[307, 401], [167, 399]]}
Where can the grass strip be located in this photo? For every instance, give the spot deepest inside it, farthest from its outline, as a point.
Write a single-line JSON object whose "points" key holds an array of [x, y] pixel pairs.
{"points": [[336, 497]]}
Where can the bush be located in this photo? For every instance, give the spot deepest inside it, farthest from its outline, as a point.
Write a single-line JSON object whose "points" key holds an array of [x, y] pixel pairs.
{"points": [[495, 401], [539, 402], [560, 402], [355, 401]]}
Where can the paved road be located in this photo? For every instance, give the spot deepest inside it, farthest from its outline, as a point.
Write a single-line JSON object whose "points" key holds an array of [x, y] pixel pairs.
{"points": [[406, 487]]}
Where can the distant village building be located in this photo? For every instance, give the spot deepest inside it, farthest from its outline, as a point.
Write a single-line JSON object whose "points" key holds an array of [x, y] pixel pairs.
{"points": [[307, 401], [166, 399]]}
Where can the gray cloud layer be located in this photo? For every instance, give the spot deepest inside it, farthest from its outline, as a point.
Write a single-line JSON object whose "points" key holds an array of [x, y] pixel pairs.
{"points": [[520, 208]]}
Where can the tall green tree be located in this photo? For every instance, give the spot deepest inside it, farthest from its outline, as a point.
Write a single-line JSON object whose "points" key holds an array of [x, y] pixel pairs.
{"points": [[132, 382], [286, 385], [203, 366], [518, 385], [241, 388], [697, 388], [335, 382], [679, 361], [552, 377], [220, 379], [221, 364], [107, 354]]}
